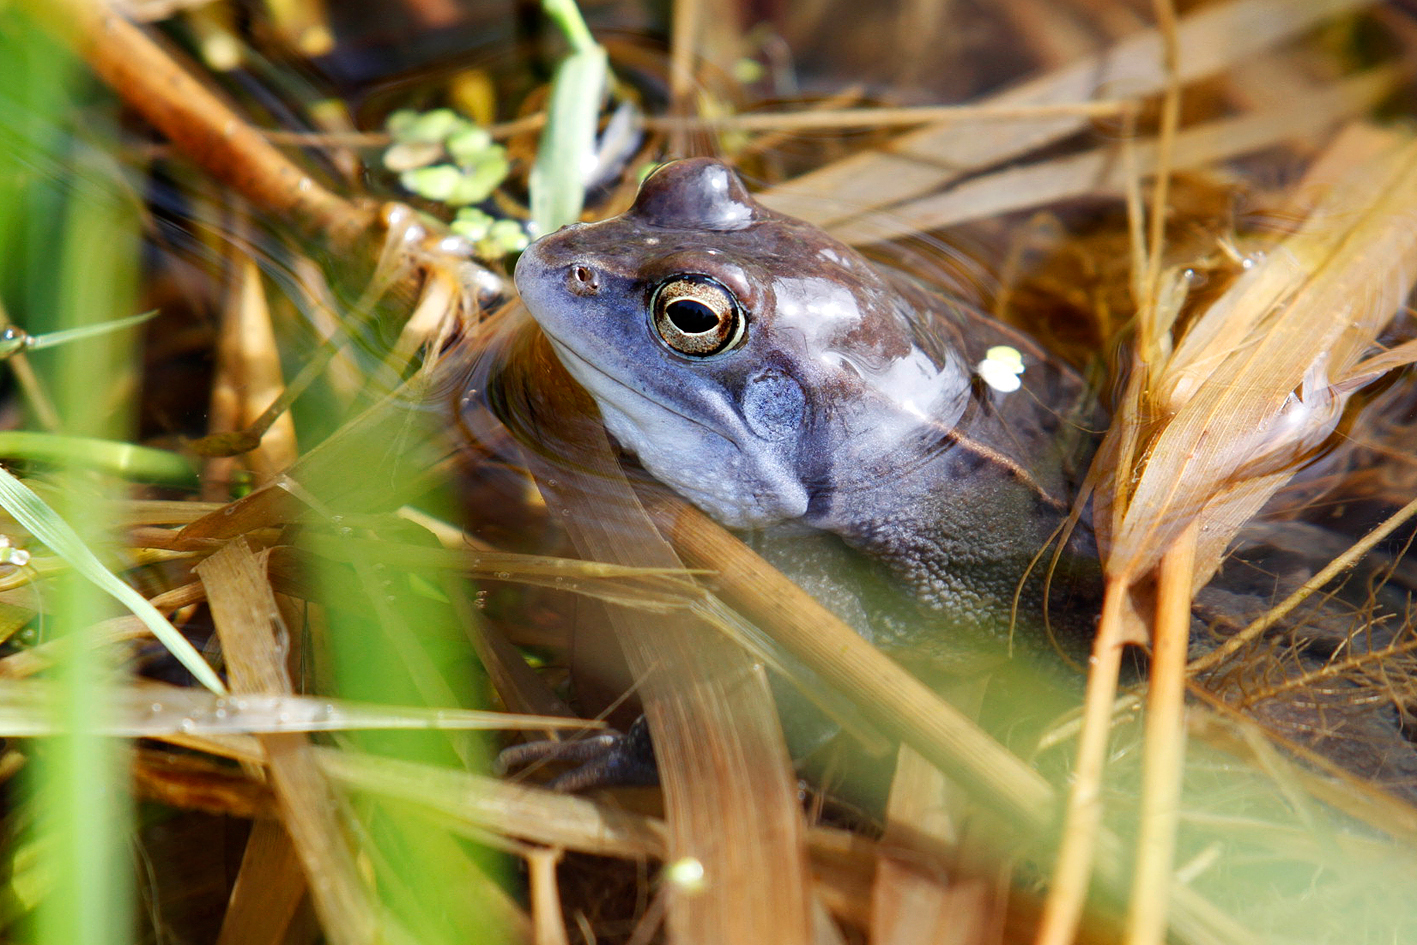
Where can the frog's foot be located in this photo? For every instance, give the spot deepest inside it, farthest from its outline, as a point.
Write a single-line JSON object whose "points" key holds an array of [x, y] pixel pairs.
{"points": [[609, 760]]}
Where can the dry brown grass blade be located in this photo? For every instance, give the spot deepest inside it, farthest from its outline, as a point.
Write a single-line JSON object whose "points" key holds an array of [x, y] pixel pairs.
{"points": [[1072, 869], [269, 887], [204, 127], [1100, 172], [842, 862], [729, 789], [529, 813], [1207, 41], [882, 117], [248, 380], [1242, 406], [917, 897], [242, 606], [548, 925]]}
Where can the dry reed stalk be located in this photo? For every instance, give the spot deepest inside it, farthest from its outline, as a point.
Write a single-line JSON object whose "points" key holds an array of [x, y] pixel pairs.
{"points": [[682, 53], [200, 123], [1072, 870], [817, 119], [1164, 759], [270, 885], [548, 925], [1100, 173], [1208, 41], [728, 784], [242, 606]]}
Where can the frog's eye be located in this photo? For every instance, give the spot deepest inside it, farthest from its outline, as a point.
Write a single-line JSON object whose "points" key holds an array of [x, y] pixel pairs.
{"points": [[696, 316]]}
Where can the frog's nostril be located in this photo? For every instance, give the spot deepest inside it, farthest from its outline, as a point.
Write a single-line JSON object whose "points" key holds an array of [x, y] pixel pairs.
{"points": [[583, 280]]}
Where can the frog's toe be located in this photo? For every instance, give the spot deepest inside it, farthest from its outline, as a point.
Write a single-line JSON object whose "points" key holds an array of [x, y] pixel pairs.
{"points": [[609, 760]]}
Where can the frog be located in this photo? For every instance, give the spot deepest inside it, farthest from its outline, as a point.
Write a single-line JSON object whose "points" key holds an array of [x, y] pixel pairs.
{"points": [[786, 385], [769, 374]]}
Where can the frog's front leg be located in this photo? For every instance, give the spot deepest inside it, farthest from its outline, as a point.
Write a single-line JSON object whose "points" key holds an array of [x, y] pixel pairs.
{"points": [[610, 759]]}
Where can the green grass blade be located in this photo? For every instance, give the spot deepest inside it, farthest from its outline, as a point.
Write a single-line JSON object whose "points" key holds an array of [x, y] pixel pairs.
{"points": [[577, 90], [128, 460], [44, 523], [52, 338]]}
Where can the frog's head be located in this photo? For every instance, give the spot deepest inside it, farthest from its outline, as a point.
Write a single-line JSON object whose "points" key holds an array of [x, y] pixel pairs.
{"points": [[746, 358]]}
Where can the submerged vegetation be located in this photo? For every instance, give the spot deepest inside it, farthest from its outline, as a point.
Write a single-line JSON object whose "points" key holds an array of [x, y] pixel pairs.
{"points": [[274, 559]]}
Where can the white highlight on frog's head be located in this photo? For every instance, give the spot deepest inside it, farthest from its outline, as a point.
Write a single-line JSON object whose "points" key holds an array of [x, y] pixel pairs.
{"points": [[821, 309], [1001, 369]]}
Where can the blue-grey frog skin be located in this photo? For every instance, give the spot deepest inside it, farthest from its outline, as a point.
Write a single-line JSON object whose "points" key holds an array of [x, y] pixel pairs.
{"points": [[771, 374], [776, 378]]}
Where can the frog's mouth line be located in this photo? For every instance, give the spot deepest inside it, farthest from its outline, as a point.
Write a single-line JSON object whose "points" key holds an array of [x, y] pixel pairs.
{"points": [[565, 352], [705, 499]]}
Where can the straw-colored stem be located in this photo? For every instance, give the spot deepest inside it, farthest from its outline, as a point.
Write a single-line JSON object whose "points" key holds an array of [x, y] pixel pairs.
{"points": [[810, 119], [1166, 142], [1072, 872], [1165, 745]]}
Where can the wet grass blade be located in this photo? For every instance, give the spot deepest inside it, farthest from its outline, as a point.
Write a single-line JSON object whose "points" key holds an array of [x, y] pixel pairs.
{"points": [[44, 523]]}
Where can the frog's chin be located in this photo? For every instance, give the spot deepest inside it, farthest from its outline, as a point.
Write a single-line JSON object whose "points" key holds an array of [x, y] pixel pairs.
{"points": [[741, 488]]}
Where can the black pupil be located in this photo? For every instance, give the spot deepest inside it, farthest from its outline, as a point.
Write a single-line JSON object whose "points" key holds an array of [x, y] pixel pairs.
{"points": [[691, 317]]}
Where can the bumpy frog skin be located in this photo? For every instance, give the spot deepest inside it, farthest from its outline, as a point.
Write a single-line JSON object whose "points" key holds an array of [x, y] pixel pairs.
{"points": [[772, 375], [769, 373]]}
